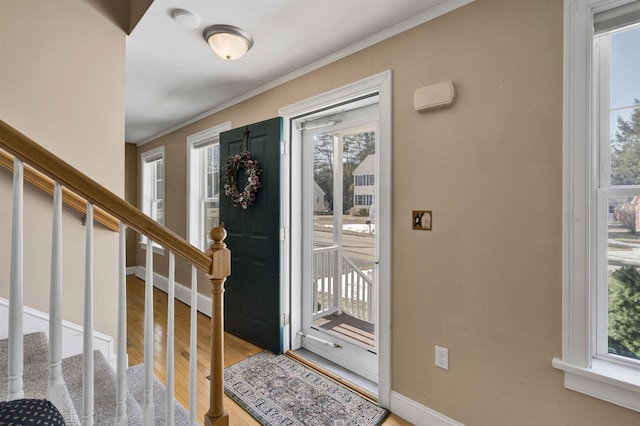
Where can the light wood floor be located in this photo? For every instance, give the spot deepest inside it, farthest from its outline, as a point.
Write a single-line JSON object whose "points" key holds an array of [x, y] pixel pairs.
{"points": [[236, 350]]}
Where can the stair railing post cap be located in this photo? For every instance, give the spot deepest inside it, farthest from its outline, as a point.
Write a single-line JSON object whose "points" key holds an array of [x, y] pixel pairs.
{"points": [[218, 234]]}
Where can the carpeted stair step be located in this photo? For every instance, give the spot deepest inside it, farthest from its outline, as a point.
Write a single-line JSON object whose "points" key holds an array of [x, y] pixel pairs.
{"points": [[104, 406], [36, 358], [135, 384], [105, 390], [36, 373]]}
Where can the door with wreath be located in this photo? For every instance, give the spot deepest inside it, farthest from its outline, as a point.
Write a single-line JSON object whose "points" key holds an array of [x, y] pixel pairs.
{"points": [[250, 210]]}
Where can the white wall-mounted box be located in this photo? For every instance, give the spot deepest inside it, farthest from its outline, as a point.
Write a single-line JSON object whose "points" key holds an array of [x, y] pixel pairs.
{"points": [[436, 95]]}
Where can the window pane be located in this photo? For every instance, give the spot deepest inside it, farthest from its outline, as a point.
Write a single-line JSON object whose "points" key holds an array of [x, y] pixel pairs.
{"points": [[212, 176], [153, 185], [159, 169], [625, 67], [211, 219], [209, 186], [323, 147], [624, 106], [623, 256], [209, 158], [206, 177], [216, 157], [625, 146], [159, 212], [216, 185], [159, 189]]}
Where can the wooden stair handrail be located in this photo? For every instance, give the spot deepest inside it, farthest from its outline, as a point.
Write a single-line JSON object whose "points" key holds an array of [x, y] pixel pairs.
{"points": [[24, 148], [46, 184]]}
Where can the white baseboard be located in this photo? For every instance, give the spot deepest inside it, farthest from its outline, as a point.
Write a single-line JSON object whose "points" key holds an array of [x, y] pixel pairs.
{"points": [[72, 334], [182, 292], [418, 414]]}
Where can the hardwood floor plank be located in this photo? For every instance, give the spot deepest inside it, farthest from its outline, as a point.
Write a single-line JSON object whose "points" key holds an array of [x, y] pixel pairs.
{"points": [[236, 350]]}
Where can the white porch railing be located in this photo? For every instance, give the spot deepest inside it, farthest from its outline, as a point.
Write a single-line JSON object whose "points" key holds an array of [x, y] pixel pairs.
{"points": [[325, 265], [340, 286], [31, 162]]}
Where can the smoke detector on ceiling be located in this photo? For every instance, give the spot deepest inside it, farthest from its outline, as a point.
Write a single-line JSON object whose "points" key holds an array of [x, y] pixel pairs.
{"points": [[185, 19]]}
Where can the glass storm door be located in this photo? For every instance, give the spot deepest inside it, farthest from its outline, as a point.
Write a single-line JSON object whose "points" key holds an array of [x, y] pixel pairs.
{"points": [[339, 291]]}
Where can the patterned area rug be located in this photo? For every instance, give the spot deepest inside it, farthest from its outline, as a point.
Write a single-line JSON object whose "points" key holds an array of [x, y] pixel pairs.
{"points": [[277, 390]]}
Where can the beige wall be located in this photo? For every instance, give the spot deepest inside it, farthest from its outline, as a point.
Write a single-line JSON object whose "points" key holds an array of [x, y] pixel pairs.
{"points": [[62, 69], [486, 282]]}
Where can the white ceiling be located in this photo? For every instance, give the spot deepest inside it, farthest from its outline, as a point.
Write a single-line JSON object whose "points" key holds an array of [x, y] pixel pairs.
{"points": [[174, 78]]}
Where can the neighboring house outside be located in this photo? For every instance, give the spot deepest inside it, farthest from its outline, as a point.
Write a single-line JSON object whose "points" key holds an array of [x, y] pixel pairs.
{"points": [[628, 214], [364, 185], [319, 199]]}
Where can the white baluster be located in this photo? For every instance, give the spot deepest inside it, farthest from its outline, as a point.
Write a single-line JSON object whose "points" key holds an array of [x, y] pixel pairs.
{"points": [[372, 303], [338, 283], [363, 295], [353, 296], [148, 409], [348, 303], [314, 285], [351, 304], [56, 382], [16, 342], [323, 285], [193, 348], [121, 367], [357, 282], [170, 336], [87, 338]]}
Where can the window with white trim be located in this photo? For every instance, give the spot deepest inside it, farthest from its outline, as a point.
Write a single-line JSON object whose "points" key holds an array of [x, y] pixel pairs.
{"points": [[153, 186], [616, 54], [204, 184], [601, 249]]}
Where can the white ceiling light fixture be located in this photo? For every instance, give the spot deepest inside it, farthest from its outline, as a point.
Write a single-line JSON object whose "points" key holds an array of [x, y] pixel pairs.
{"points": [[227, 41], [185, 19]]}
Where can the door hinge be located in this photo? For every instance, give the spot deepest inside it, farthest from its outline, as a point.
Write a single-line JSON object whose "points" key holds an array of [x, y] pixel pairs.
{"points": [[284, 320], [283, 147], [283, 234]]}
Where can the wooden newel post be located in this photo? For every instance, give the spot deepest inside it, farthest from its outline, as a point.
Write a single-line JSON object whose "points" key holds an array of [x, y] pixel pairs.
{"points": [[220, 270]]}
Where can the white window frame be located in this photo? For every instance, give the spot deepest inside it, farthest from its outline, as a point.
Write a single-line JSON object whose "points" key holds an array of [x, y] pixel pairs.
{"points": [[146, 188], [584, 371], [195, 215]]}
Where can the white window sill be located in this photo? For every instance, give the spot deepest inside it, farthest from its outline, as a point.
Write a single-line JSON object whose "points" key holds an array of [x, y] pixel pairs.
{"points": [[156, 248], [606, 380]]}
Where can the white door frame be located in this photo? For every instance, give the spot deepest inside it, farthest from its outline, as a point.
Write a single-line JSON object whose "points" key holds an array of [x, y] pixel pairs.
{"points": [[292, 217]]}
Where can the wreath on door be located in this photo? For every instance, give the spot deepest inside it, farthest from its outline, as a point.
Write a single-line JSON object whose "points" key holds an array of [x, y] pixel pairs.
{"points": [[232, 167]]}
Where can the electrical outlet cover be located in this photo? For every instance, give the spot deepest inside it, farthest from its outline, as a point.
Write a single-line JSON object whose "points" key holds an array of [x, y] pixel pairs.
{"points": [[442, 357]]}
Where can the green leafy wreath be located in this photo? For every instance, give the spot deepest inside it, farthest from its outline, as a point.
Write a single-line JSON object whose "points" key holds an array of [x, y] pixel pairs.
{"points": [[232, 166]]}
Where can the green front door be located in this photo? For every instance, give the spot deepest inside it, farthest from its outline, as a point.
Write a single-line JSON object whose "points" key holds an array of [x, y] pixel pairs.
{"points": [[252, 292]]}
